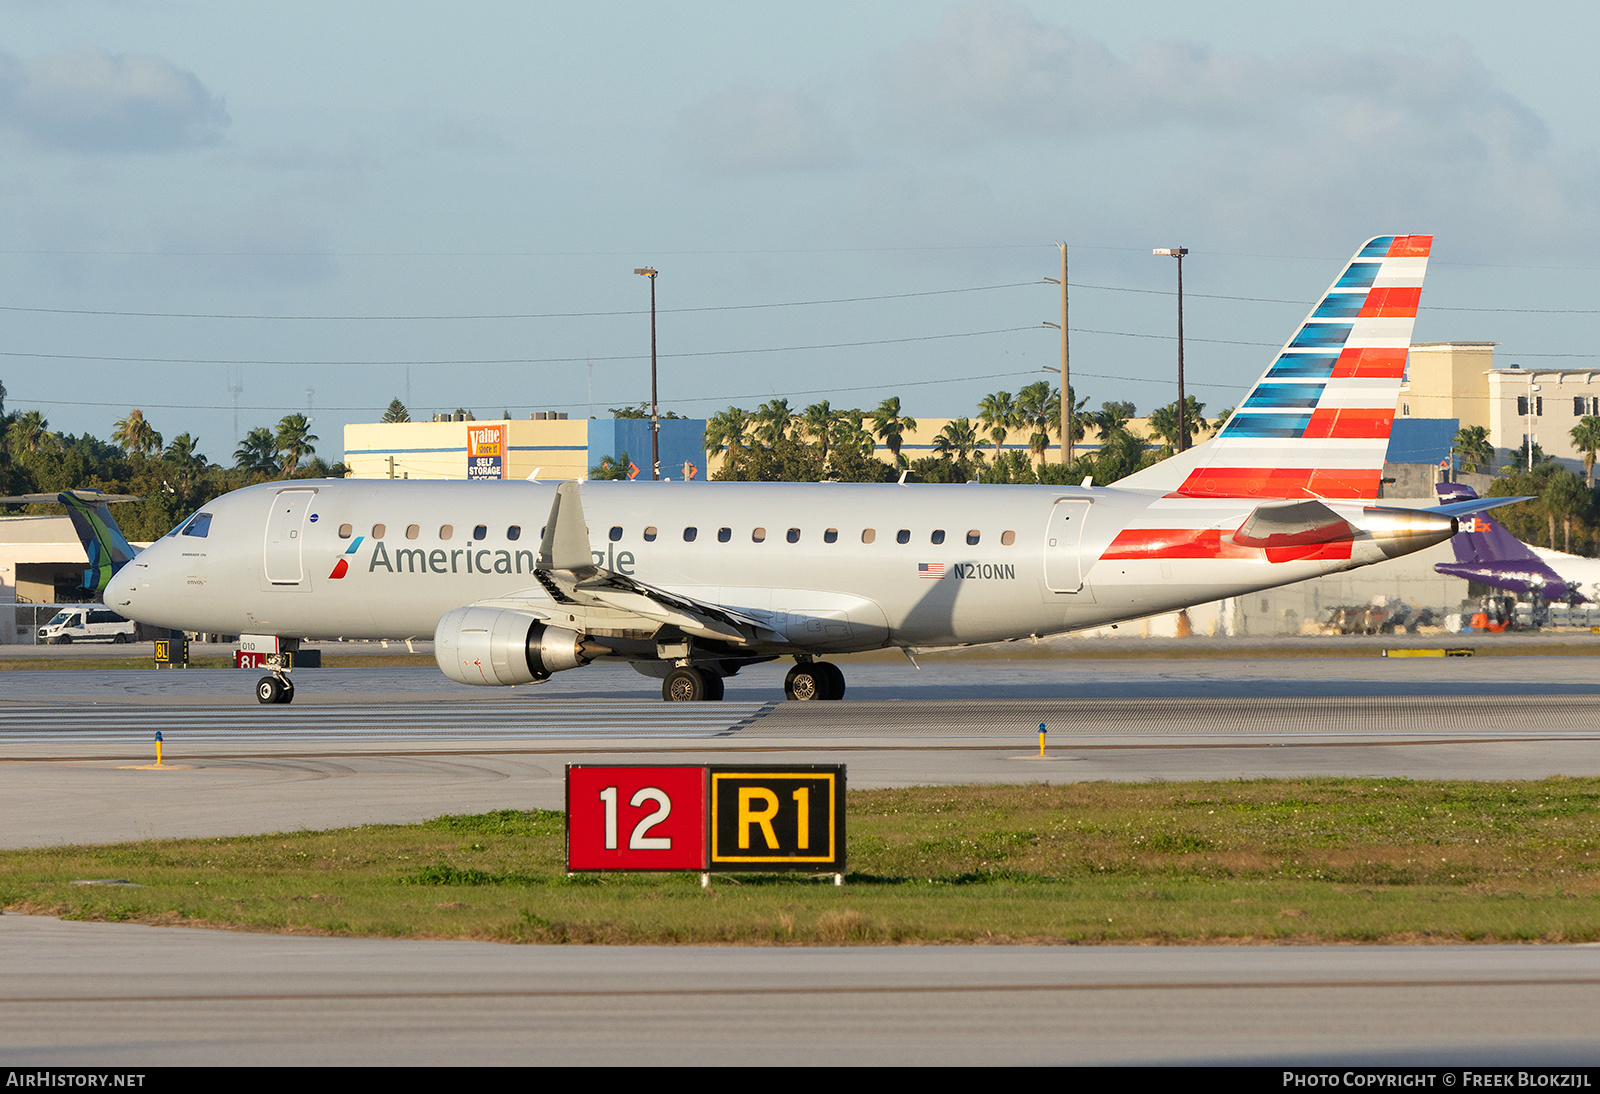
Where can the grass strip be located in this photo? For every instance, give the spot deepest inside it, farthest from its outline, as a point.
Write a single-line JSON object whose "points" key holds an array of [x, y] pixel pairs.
{"points": [[1271, 860]]}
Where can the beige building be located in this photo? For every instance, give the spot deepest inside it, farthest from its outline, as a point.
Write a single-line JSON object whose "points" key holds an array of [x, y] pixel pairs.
{"points": [[1546, 402], [1460, 380], [439, 450], [555, 448], [36, 554], [1446, 380]]}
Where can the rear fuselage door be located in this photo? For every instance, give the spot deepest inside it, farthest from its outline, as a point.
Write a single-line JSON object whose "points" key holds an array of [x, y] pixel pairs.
{"points": [[285, 530], [1063, 566]]}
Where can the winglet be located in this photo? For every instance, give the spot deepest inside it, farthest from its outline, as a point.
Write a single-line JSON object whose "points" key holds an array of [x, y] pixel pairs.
{"points": [[566, 535]]}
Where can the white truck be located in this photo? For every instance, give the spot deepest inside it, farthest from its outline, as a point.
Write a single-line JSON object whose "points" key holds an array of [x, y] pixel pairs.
{"points": [[89, 623]]}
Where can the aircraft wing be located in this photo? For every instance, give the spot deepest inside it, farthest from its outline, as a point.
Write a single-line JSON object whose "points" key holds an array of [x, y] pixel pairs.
{"points": [[567, 571], [1473, 505]]}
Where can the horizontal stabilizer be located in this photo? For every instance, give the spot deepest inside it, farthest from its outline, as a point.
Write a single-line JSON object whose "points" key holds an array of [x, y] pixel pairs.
{"points": [[1292, 524], [1474, 505], [108, 550]]}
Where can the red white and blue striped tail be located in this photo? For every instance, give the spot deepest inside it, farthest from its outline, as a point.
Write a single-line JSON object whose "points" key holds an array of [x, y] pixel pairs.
{"points": [[1316, 425]]}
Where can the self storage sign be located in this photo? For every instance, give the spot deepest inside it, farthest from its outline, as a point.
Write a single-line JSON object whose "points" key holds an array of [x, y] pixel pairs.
{"points": [[752, 817]]}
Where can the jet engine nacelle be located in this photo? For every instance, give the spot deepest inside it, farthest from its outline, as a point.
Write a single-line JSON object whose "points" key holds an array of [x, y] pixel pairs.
{"points": [[502, 646]]}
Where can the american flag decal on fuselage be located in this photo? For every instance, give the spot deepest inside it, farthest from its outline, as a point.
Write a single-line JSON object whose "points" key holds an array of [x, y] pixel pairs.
{"points": [[931, 570]]}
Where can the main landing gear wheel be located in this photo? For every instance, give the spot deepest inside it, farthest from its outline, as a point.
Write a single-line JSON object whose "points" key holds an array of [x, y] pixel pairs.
{"points": [[690, 685], [814, 680], [270, 689]]}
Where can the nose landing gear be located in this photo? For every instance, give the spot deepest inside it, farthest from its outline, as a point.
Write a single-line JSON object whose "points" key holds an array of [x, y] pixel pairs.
{"points": [[270, 689], [277, 687]]}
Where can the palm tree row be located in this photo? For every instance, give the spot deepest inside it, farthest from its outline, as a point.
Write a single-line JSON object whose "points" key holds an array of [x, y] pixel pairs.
{"points": [[830, 438], [173, 478]]}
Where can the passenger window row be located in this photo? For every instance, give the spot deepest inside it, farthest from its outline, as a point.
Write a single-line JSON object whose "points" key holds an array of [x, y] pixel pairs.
{"points": [[690, 534], [447, 532], [830, 535]]}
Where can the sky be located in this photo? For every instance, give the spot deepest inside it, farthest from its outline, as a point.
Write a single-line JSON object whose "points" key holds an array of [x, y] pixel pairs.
{"points": [[322, 206]]}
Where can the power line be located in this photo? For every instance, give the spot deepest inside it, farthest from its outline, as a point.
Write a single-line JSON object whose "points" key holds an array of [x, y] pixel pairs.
{"points": [[526, 315], [677, 402], [721, 307], [512, 360]]}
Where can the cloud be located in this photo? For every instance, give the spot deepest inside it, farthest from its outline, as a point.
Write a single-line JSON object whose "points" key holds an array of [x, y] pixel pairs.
{"points": [[993, 72], [89, 100], [1312, 145], [744, 130]]}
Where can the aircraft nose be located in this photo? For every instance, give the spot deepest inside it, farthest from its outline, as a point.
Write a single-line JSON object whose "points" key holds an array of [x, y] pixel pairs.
{"points": [[122, 594]]}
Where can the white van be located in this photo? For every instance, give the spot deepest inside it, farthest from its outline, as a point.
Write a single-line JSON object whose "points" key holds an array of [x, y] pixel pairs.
{"points": [[86, 624]]}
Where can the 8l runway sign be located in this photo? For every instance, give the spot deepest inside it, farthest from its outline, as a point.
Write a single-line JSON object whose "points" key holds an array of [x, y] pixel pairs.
{"points": [[750, 817]]}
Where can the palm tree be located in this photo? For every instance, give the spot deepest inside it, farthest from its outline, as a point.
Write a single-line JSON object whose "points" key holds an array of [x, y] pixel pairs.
{"points": [[818, 420], [850, 433], [30, 431], [725, 432], [997, 414], [773, 420], [184, 459], [397, 412], [135, 435], [1081, 420], [293, 441], [1566, 497], [1164, 421], [958, 440], [1521, 462], [1112, 419], [1586, 439], [611, 468], [891, 427], [1472, 445], [1039, 409], [257, 453]]}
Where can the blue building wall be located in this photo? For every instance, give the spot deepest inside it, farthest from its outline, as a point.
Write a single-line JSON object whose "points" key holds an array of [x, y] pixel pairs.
{"points": [[683, 442], [1422, 440]]}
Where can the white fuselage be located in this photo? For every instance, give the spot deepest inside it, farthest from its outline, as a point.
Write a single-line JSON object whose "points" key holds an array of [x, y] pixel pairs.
{"points": [[831, 566]]}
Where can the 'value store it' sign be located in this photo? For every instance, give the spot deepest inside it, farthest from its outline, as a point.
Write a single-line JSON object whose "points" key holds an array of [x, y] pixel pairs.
{"points": [[751, 817]]}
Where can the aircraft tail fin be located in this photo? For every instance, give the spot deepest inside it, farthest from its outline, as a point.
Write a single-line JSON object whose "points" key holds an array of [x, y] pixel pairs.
{"points": [[1487, 553], [1316, 424], [108, 549]]}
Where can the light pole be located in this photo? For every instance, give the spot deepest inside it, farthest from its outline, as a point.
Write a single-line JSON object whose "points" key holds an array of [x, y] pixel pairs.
{"points": [[1183, 429], [1532, 387], [655, 419], [1067, 412]]}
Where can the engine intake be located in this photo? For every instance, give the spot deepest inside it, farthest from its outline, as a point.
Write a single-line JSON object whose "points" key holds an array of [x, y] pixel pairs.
{"points": [[502, 647]]}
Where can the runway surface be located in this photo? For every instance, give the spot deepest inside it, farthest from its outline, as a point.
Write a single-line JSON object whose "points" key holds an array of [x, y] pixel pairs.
{"points": [[108, 994], [403, 744]]}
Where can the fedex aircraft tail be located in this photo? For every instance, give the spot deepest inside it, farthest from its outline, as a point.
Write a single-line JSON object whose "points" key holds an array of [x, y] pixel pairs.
{"points": [[1487, 553], [1316, 424]]}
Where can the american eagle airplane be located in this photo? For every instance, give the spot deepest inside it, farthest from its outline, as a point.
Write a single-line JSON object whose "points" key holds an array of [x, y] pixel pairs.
{"points": [[690, 582]]}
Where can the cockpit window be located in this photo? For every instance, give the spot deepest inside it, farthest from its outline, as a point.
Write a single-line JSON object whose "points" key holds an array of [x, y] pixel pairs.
{"points": [[182, 527], [197, 525]]}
